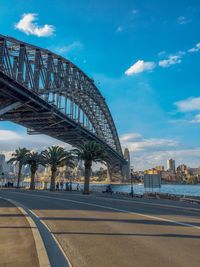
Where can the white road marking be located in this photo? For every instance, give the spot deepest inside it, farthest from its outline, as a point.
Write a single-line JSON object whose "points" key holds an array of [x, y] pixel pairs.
{"points": [[115, 209], [144, 203], [40, 248], [53, 236], [153, 204], [22, 209]]}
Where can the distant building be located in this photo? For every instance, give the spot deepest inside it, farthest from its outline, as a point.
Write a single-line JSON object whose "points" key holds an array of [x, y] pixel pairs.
{"points": [[160, 168], [152, 171], [171, 166], [4, 166]]}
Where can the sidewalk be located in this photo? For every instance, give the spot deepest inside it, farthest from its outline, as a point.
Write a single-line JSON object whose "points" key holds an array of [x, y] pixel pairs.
{"points": [[17, 246]]}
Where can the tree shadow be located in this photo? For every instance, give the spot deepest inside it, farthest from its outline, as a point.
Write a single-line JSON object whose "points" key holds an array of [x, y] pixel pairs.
{"points": [[126, 234]]}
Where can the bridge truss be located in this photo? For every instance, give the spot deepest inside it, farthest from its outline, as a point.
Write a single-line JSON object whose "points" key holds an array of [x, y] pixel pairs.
{"points": [[48, 94]]}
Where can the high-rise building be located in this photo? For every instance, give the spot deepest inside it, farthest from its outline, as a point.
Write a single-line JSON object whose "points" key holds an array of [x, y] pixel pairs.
{"points": [[171, 165]]}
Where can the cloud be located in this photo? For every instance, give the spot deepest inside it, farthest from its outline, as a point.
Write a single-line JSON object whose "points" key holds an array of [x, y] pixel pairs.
{"points": [[119, 29], [145, 160], [188, 105], [171, 60], [11, 140], [129, 137], [29, 27], [134, 11], [150, 152], [183, 20], [161, 53], [196, 119], [139, 67], [135, 142], [194, 49], [6, 135], [65, 49]]}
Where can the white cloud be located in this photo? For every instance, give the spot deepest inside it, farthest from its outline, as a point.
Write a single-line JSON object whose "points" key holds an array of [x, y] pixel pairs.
{"points": [[119, 29], [135, 142], [161, 53], [65, 49], [134, 11], [195, 49], [11, 140], [28, 26], [183, 20], [145, 160], [196, 119], [171, 60], [139, 67], [6, 135], [129, 136], [188, 105]]}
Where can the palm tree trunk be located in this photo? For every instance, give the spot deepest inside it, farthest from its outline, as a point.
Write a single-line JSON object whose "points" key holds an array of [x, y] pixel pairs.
{"points": [[53, 179], [19, 175], [32, 185], [88, 165]]}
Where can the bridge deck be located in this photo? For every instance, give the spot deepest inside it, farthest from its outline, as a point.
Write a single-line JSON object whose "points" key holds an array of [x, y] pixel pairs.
{"points": [[34, 113]]}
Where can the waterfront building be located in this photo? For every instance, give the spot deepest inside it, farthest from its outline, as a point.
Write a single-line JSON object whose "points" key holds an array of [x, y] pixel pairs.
{"points": [[171, 166], [182, 168], [160, 168]]}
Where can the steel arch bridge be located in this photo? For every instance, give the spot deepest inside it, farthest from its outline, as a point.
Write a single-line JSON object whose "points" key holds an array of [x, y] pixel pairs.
{"points": [[49, 95]]}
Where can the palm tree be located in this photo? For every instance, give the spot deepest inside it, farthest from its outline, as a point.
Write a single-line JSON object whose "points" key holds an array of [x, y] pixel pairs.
{"points": [[55, 157], [34, 159], [18, 157], [89, 152]]}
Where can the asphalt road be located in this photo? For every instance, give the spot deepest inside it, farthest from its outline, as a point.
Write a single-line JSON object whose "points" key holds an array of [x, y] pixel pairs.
{"points": [[98, 231], [17, 246]]}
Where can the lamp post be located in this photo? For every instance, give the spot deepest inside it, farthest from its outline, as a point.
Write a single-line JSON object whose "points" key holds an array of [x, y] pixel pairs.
{"points": [[132, 182]]}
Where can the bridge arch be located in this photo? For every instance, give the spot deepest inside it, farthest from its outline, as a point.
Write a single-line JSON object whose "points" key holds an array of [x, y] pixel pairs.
{"points": [[62, 85]]}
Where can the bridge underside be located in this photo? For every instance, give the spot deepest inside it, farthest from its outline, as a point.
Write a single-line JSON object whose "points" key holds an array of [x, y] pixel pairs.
{"points": [[21, 106]]}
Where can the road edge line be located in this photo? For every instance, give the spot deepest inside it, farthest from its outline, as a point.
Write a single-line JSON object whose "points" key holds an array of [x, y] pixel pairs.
{"points": [[40, 247], [53, 236]]}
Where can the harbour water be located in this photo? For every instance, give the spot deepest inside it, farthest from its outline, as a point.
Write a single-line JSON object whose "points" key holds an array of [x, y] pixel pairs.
{"points": [[187, 190]]}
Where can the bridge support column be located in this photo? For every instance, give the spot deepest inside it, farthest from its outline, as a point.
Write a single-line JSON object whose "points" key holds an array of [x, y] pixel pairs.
{"points": [[109, 174]]}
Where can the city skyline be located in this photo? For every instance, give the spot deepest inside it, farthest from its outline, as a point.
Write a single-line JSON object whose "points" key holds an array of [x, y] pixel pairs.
{"points": [[151, 87]]}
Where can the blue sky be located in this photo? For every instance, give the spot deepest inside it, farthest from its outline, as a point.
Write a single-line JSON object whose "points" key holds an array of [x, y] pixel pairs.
{"points": [[143, 55]]}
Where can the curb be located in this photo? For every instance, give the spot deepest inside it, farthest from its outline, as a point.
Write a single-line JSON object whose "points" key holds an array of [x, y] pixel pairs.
{"points": [[57, 242], [40, 248]]}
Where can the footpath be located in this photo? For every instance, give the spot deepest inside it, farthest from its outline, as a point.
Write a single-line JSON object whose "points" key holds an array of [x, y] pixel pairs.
{"points": [[17, 246]]}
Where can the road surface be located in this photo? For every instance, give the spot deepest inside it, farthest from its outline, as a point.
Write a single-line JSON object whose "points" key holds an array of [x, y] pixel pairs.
{"points": [[99, 231]]}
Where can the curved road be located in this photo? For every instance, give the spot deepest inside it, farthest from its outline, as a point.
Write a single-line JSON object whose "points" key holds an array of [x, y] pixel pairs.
{"points": [[99, 231]]}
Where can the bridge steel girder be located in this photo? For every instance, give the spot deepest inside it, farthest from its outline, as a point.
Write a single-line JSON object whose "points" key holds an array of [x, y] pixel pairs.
{"points": [[46, 83]]}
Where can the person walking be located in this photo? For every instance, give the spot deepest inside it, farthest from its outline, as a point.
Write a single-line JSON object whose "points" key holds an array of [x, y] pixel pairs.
{"points": [[67, 186], [70, 186], [61, 185], [78, 187], [57, 186]]}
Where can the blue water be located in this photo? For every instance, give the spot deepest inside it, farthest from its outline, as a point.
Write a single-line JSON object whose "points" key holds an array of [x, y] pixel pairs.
{"points": [[191, 190]]}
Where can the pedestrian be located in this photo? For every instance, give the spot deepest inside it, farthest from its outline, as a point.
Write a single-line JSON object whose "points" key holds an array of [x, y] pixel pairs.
{"points": [[57, 186], [78, 187], [61, 185], [67, 186], [70, 186]]}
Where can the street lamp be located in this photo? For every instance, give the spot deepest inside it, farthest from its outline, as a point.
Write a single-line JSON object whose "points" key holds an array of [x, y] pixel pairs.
{"points": [[132, 182]]}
